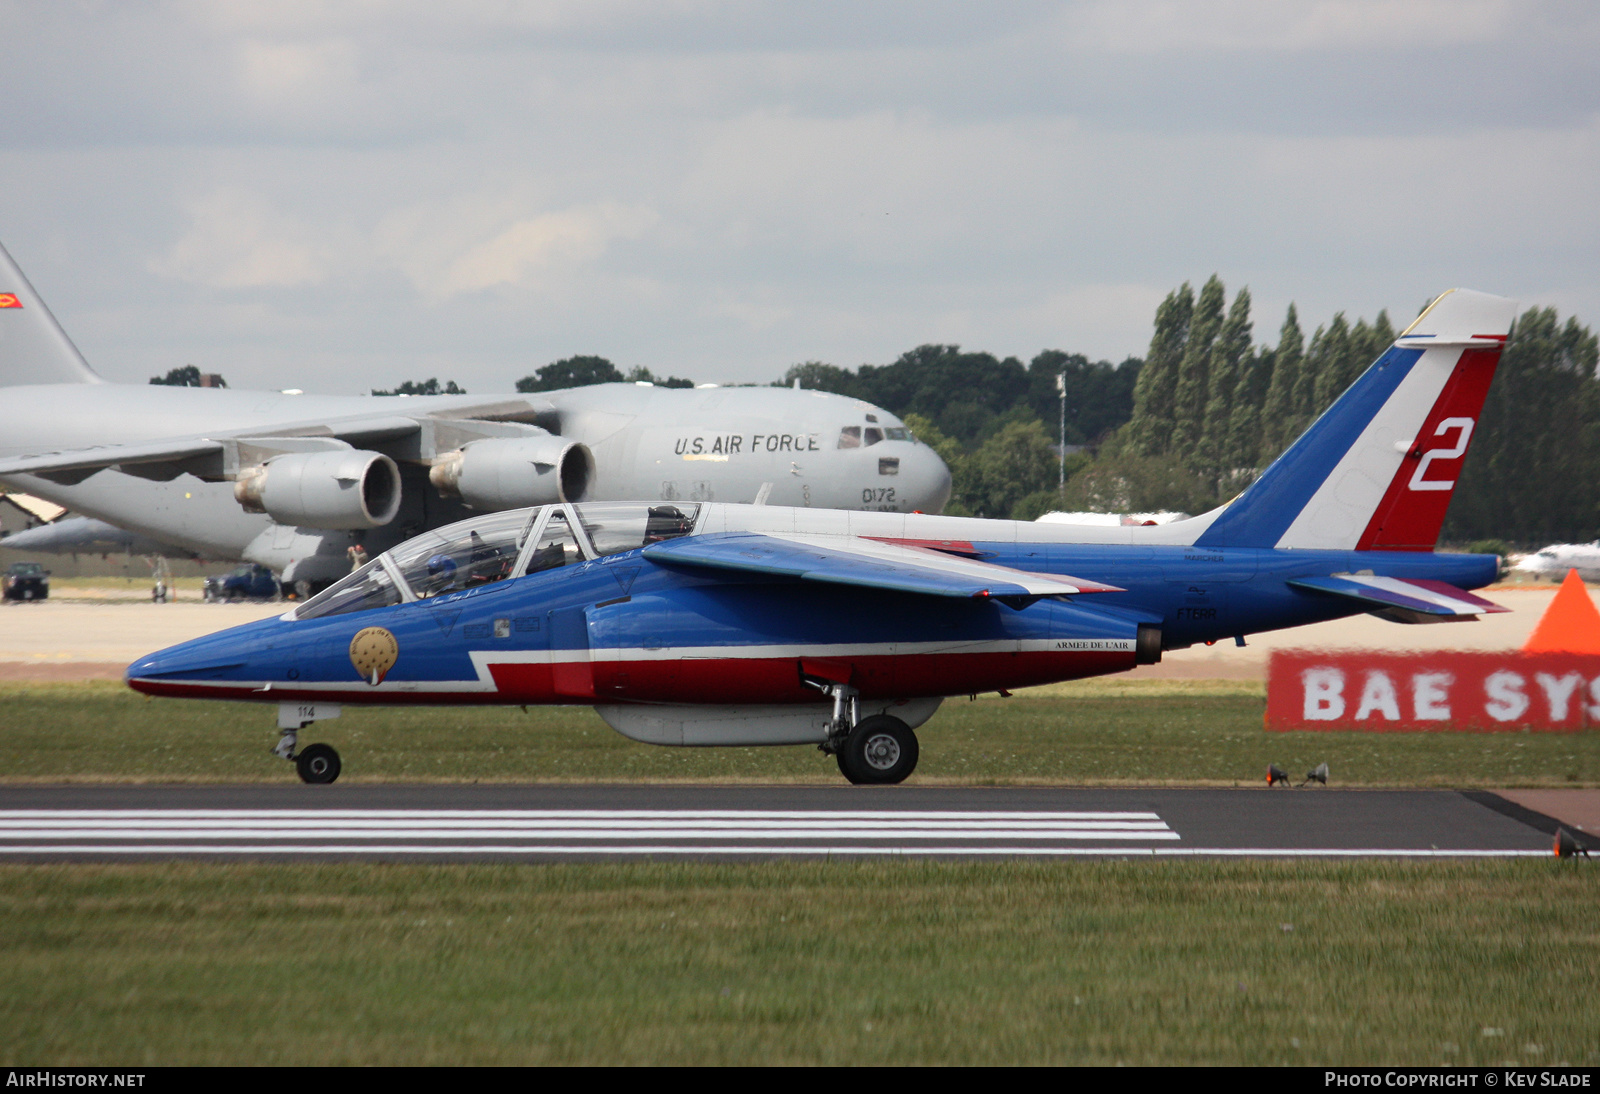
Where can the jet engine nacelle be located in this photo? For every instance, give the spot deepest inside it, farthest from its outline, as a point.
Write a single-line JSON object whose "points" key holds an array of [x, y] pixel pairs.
{"points": [[513, 472], [339, 489]]}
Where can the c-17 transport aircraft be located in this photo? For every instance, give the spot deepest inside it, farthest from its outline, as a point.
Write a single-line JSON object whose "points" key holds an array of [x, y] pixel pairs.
{"points": [[717, 624], [293, 482]]}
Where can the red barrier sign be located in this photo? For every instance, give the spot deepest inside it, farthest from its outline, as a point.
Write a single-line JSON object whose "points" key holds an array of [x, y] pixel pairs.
{"points": [[1348, 690]]}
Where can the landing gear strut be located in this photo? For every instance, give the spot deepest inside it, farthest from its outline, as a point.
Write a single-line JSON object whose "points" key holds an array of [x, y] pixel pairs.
{"points": [[318, 763], [879, 749]]}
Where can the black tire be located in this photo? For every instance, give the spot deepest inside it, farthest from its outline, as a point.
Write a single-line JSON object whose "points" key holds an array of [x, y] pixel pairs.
{"points": [[317, 764], [880, 750]]}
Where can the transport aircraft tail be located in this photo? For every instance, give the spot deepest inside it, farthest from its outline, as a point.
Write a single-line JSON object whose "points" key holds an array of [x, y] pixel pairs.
{"points": [[33, 347], [1376, 472]]}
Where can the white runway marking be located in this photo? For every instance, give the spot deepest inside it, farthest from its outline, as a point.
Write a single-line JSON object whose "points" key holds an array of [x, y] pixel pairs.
{"points": [[544, 833], [479, 850], [459, 832]]}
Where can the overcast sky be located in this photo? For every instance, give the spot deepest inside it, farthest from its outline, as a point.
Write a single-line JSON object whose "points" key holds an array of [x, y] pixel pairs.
{"points": [[341, 196]]}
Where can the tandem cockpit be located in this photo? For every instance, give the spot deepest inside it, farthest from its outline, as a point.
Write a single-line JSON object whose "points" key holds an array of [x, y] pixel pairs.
{"points": [[499, 547]]}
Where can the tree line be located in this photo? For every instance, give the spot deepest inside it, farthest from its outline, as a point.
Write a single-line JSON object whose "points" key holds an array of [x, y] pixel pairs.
{"points": [[1207, 409], [579, 371]]}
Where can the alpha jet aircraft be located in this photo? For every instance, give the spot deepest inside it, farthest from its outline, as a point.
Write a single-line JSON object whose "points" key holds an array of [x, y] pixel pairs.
{"points": [[717, 624], [293, 482]]}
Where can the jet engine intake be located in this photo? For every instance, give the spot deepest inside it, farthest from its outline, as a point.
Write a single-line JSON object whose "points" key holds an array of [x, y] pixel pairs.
{"points": [[512, 472], [344, 489]]}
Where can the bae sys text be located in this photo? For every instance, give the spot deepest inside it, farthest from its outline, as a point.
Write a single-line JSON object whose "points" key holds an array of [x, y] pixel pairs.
{"points": [[1477, 692]]}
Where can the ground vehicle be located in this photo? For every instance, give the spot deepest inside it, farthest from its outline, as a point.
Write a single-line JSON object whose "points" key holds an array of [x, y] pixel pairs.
{"points": [[248, 582], [27, 581]]}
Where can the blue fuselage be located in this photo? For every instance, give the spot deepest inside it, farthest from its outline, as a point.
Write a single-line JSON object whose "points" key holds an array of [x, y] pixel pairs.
{"points": [[626, 628]]}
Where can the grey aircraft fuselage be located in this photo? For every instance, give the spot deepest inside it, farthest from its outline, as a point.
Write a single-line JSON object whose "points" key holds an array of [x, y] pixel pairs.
{"points": [[705, 444]]}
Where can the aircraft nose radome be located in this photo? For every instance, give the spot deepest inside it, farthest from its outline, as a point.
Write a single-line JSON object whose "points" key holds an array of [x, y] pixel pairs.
{"points": [[206, 656], [184, 660], [926, 478]]}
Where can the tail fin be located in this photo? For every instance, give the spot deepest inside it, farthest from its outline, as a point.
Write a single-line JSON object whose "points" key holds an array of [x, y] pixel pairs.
{"points": [[1377, 471], [33, 347]]}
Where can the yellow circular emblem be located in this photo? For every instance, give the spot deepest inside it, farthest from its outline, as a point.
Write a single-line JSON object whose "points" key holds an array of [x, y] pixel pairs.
{"points": [[373, 652]]}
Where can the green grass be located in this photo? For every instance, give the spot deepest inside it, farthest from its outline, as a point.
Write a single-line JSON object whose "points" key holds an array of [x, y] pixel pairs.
{"points": [[1166, 734], [842, 962]]}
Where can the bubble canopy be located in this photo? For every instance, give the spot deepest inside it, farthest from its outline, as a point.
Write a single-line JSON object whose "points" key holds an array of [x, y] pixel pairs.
{"points": [[498, 547]]}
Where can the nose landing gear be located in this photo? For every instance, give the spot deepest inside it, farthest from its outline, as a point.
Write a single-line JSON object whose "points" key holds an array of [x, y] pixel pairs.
{"points": [[317, 763]]}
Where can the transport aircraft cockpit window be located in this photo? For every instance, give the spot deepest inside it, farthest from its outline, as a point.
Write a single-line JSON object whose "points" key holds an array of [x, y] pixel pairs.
{"points": [[463, 555], [369, 587], [896, 433], [850, 437], [614, 528], [871, 436]]}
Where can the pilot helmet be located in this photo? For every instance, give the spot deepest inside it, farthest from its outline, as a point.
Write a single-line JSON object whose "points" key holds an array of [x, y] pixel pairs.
{"points": [[441, 564]]}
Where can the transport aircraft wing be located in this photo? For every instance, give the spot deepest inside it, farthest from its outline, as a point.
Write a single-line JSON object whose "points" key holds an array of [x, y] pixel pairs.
{"points": [[217, 453], [865, 562], [1401, 600], [106, 455]]}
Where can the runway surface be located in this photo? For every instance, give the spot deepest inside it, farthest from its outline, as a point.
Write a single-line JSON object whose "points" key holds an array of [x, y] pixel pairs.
{"points": [[540, 823]]}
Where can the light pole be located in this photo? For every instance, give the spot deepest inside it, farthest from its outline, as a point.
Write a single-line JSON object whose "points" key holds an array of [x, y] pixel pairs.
{"points": [[1061, 386]]}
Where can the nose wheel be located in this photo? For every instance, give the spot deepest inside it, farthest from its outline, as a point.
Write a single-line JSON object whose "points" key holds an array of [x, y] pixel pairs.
{"points": [[878, 750], [318, 763]]}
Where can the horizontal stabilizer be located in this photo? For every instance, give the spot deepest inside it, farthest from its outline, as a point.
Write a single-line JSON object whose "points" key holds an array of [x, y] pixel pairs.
{"points": [[868, 563], [1401, 600]]}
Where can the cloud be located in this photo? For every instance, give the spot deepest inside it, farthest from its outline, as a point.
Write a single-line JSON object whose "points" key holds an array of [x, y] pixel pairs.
{"points": [[720, 189], [447, 252], [272, 73], [236, 240], [1162, 26]]}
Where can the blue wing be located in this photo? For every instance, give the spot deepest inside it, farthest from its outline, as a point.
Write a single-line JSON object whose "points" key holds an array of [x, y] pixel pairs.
{"points": [[845, 560]]}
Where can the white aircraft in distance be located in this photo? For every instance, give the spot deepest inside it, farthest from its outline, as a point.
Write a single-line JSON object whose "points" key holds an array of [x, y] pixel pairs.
{"points": [[298, 482], [1554, 561]]}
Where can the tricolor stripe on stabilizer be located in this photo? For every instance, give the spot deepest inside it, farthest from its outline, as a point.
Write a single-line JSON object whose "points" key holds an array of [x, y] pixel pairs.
{"points": [[1377, 471]]}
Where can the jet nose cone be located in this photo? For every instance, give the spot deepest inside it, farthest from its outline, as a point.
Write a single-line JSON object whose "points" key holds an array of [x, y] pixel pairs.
{"points": [[185, 661], [924, 480], [216, 657]]}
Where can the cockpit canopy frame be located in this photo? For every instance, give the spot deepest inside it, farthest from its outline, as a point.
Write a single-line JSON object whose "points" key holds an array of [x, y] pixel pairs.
{"points": [[494, 547]]}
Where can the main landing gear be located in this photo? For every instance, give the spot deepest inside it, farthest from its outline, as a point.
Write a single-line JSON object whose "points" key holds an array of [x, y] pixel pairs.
{"points": [[877, 750], [317, 763]]}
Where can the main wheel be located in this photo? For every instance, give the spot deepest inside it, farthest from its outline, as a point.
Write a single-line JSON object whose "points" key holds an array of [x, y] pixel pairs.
{"points": [[880, 749], [317, 764]]}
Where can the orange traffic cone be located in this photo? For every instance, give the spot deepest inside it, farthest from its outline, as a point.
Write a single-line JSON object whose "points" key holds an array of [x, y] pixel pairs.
{"points": [[1571, 624]]}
